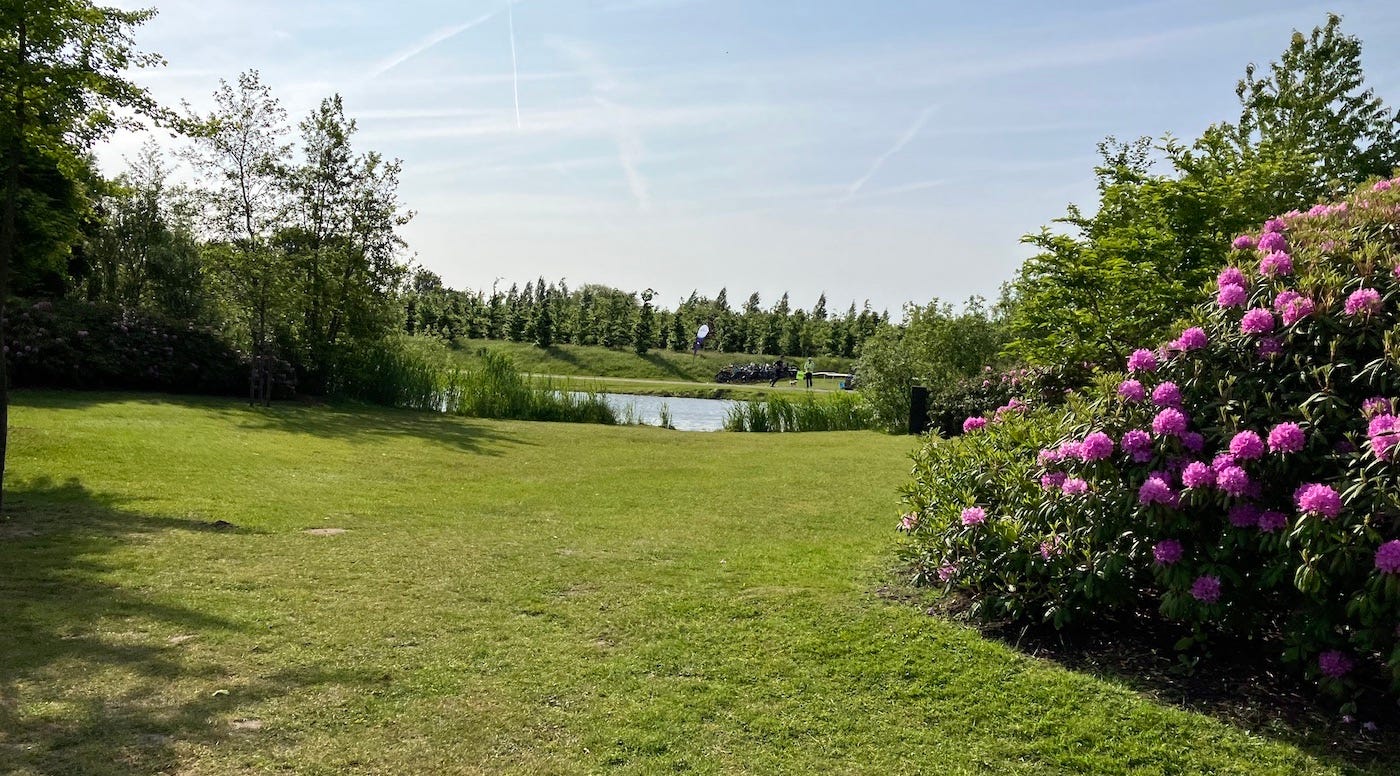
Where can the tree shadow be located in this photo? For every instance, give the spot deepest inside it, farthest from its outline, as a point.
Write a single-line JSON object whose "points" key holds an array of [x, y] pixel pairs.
{"points": [[665, 365], [86, 669], [362, 424], [1231, 685], [348, 422]]}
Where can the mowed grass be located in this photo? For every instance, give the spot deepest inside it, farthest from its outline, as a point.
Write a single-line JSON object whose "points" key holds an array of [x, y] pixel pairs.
{"points": [[507, 597]]}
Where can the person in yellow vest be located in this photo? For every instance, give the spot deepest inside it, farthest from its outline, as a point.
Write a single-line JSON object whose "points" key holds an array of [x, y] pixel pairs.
{"points": [[807, 370]]}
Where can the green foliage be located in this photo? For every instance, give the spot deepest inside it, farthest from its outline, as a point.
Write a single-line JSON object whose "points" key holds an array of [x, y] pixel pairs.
{"points": [[936, 347], [953, 402], [101, 346], [1307, 129], [840, 411], [886, 373], [420, 374], [1308, 581]]}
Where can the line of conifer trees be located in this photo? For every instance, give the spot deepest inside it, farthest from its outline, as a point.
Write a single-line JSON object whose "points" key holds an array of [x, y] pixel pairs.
{"points": [[549, 313]]}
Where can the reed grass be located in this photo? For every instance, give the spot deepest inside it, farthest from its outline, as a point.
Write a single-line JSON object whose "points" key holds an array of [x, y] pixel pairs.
{"points": [[419, 374], [812, 412]]}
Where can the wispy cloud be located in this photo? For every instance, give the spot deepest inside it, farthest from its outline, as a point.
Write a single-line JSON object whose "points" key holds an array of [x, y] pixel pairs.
{"points": [[904, 188], [904, 139], [514, 65], [623, 129], [444, 34]]}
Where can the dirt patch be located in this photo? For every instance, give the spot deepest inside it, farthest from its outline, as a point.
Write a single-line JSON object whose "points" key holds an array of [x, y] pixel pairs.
{"points": [[245, 725], [324, 531], [181, 639]]}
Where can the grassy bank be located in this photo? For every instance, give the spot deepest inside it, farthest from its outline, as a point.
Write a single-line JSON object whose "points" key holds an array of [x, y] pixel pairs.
{"points": [[506, 597], [593, 361]]}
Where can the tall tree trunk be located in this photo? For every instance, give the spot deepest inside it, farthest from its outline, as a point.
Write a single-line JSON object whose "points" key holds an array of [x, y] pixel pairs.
{"points": [[9, 237]]}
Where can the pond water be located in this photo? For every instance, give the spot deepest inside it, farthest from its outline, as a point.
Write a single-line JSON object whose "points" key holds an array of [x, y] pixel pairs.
{"points": [[686, 414]]}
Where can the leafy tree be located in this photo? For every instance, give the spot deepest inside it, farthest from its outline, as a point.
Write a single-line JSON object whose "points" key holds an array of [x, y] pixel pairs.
{"points": [[241, 152], [62, 66], [1167, 211]]}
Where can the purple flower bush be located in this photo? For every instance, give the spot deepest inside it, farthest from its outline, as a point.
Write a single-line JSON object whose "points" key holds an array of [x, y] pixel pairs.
{"points": [[1257, 493]]}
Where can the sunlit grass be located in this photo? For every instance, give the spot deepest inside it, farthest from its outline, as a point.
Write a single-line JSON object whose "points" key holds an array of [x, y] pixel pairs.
{"points": [[506, 597]]}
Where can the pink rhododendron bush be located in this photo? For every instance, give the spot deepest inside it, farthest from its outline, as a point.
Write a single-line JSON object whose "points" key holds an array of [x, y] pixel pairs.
{"points": [[1242, 479]]}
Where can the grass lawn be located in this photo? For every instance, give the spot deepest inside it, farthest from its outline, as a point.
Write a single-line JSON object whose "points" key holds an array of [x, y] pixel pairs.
{"points": [[507, 597]]}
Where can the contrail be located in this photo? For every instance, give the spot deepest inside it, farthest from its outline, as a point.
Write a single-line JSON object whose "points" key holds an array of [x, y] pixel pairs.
{"points": [[904, 139], [425, 44], [514, 68]]}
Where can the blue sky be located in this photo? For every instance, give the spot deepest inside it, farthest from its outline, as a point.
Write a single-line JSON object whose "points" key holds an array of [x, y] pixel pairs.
{"points": [[889, 151]]}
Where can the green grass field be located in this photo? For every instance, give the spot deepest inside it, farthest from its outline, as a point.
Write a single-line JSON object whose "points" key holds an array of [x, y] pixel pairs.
{"points": [[506, 597]]}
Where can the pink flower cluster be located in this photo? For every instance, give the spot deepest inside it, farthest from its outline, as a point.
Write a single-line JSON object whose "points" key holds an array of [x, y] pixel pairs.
{"points": [[1167, 395], [1247, 446], [908, 522], [1074, 486], [974, 516], [973, 424], [1206, 589], [1157, 490], [1334, 664], [1169, 422], [1142, 360], [1363, 302], [1388, 557], [1231, 296], [1276, 264], [1193, 338], [1383, 434], [1296, 309], [1138, 445], [1196, 475], [1257, 321], [1318, 499], [1096, 447], [1166, 552], [1272, 521], [1286, 438], [1132, 390]]}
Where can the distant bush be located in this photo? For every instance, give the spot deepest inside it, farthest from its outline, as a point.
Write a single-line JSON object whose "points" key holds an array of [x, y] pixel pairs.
{"points": [[1243, 479], [813, 412], [950, 403], [83, 345]]}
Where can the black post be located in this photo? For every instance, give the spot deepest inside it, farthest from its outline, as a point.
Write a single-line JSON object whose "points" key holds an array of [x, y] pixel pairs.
{"points": [[918, 409]]}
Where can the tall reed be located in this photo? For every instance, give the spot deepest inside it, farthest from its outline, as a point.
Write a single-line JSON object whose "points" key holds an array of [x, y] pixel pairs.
{"points": [[414, 374], [813, 412]]}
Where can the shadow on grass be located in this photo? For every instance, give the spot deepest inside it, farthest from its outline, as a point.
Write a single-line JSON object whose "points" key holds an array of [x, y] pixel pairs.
{"points": [[90, 680], [667, 366], [370, 425], [1231, 685], [359, 423]]}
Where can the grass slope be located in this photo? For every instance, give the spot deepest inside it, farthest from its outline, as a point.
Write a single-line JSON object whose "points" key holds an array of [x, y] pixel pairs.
{"points": [[594, 361], [507, 598]]}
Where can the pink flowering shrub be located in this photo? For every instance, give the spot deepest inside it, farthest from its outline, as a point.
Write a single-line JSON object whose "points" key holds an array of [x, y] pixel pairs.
{"points": [[1254, 487]]}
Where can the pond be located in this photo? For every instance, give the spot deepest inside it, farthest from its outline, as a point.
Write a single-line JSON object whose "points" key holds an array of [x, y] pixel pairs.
{"points": [[686, 414]]}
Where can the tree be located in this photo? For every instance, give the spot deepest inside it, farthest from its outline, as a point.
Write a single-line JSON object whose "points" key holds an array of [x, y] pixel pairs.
{"points": [[1167, 211], [62, 65], [241, 152], [645, 331], [544, 316]]}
